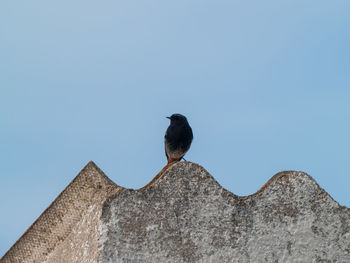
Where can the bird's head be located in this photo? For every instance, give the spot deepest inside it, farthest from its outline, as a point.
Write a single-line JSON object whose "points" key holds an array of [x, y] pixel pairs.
{"points": [[177, 118]]}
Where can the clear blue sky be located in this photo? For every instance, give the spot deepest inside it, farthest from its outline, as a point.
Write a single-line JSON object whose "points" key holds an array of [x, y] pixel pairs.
{"points": [[265, 86]]}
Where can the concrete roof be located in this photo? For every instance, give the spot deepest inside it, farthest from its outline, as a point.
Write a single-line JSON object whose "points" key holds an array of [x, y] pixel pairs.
{"points": [[184, 215]]}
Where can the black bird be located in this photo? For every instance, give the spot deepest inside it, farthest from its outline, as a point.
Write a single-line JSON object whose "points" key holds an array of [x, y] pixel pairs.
{"points": [[178, 138]]}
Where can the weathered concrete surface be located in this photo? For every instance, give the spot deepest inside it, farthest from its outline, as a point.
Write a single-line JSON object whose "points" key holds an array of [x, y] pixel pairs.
{"points": [[184, 215]]}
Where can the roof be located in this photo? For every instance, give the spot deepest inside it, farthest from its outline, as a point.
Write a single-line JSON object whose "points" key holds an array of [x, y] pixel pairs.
{"points": [[184, 215]]}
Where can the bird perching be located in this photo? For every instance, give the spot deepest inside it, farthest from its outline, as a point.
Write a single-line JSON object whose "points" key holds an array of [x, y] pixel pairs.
{"points": [[178, 138]]}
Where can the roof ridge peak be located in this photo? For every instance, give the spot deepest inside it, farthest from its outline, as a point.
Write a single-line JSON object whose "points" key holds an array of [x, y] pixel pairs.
{"points": [[89, 186]]}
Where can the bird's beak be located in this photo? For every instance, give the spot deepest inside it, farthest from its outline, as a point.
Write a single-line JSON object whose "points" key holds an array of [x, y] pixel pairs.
{"points": [[168, 118]]}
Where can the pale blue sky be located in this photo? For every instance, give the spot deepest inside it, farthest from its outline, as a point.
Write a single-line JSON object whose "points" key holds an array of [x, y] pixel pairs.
{"points": [[265, 86]]}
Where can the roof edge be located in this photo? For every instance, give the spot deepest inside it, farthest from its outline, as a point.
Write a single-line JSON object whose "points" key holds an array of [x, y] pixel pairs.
{"points": [[270, 183], [75, 197]]}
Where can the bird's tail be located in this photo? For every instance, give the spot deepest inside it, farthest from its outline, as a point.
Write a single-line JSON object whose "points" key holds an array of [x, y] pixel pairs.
{"points": [[172, 160]]}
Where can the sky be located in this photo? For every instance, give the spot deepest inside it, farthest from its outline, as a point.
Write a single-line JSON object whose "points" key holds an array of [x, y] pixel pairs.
{"points": [[265, 86]]}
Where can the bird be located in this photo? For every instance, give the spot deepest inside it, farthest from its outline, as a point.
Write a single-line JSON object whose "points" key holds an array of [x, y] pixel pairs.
{"points": [[178, 138]]}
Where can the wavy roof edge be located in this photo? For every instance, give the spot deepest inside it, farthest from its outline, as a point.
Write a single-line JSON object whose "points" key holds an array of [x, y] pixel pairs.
{"points": [[92, 186]]}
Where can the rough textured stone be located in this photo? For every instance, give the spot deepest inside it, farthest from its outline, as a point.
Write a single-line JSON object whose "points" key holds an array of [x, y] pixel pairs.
{"points": [[184, 215]]}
